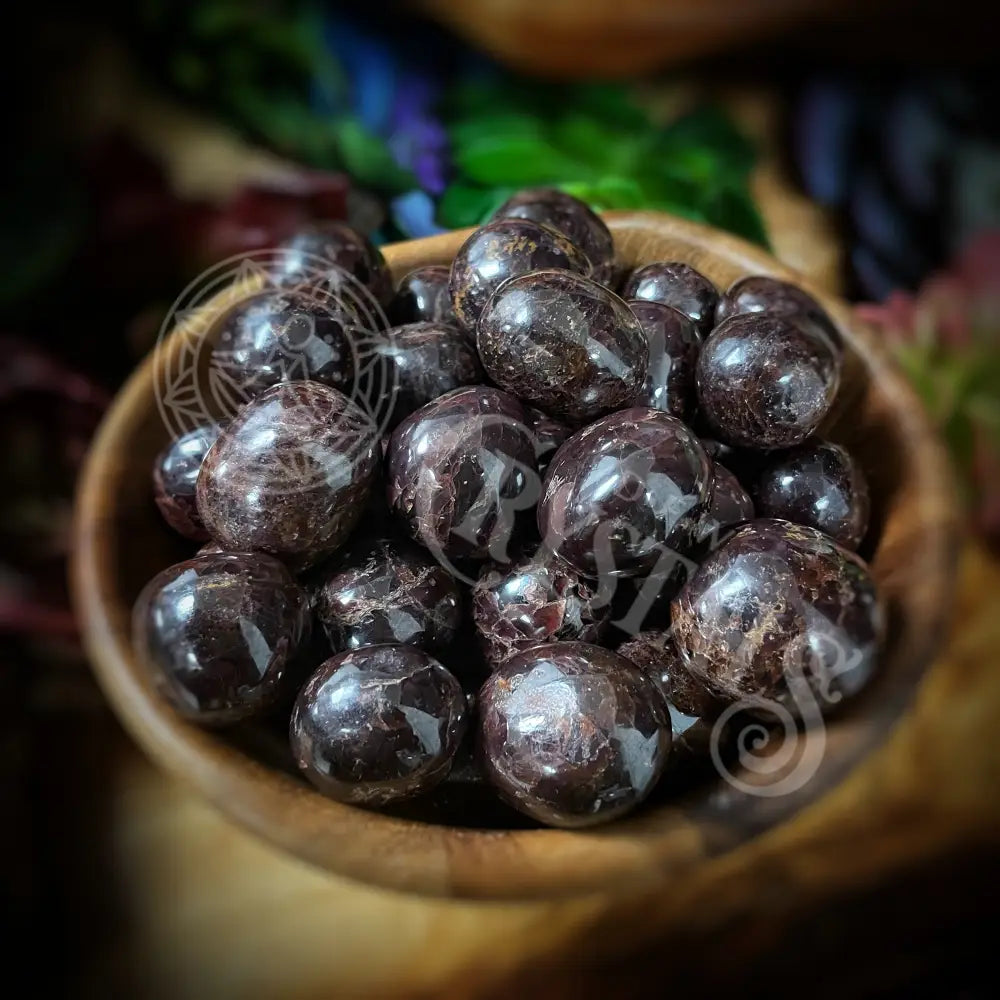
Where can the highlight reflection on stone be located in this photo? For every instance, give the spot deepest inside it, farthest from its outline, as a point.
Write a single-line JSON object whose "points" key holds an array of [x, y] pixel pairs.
{"points": [[537, 600], [777, 603], [383, 591], [218, 631], [572, 734], [378, 724], [623, 493], [461, 472], [290, 475], [563, 343]]}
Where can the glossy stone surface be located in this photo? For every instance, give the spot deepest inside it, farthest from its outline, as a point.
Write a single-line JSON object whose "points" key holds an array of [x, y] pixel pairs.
{"points": [[290, 475], [764, 382], [423, 297], [780, 612], [537, 600], [621, 494], [675, 284], [549, 434], [693, 708], [643, 602], [731, 504], [818, 484], [287, 335], [337, 256], [673, 343], [378, 724], [383, 591], [461, 472], [219, 631], [175, 474], [502, 250], [424, 361], [761, 294], [572, 734], [570, 216], [563, 343]]}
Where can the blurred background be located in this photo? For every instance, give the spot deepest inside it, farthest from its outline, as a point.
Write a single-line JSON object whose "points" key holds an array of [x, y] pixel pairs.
{"points": [[860, 142]]}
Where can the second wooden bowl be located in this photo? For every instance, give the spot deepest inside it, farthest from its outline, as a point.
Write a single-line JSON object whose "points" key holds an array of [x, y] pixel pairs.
{"points": [[120, 542]]}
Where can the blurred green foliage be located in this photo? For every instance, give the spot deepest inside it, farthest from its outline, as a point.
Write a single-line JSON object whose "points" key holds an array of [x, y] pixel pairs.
{"points": [[596, 142], [265, 66]]}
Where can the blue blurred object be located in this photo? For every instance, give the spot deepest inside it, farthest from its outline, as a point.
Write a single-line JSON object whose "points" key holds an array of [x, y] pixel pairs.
{"points": [[913, 163]]}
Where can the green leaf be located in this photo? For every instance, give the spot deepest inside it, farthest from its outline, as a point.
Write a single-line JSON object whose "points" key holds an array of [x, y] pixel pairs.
{"points": [[367, 157], [517, 162], [465, 204]]}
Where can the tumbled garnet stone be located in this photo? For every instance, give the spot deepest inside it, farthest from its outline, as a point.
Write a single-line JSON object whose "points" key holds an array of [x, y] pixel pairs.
{"points": [[563, 343], [818, 484], [622, 494], [378, 724], [423, 361], [537, 600], [502, 250], [675, 284], [572, 734], [423, 297], [780, 612], [673, 343], [175, 476], [765, 382], [219, 631], [290, 475], [461, 472], [386, 591], [570, 216]]}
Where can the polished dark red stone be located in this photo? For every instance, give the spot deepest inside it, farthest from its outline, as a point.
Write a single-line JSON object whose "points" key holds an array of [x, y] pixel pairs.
{"points": [[818, 484], [570, 216], [572, 734], [461, 472], [335, 255], [218, 633], [731, 504], [423, 297], [675, 284], [563, 343], [175, 475], [290, 475], [780, 612], [549, 434], [287, 335], [502, 250], [536, 600], [423, 361], [693, 708], [378, 724], [673, 343], [623, 493], [765, 382], [762, 294], [386, 591]]}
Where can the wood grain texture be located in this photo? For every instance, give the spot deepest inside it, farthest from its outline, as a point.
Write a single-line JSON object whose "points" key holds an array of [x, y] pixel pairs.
{"points": [[120, 543]]}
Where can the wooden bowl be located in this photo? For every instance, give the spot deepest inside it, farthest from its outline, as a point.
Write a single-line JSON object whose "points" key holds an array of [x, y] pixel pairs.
{"points": [[120, 542]]}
